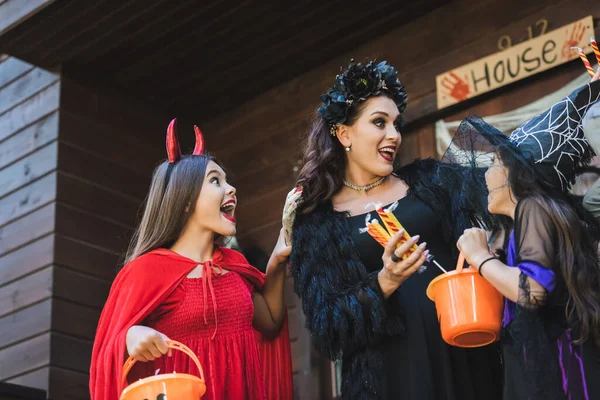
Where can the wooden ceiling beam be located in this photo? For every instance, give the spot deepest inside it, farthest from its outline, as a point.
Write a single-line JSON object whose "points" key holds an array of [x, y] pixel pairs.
{"points": [[107, 34], [243, 49], [286, 49], [137, 32], [170, 54], [88, 22]]}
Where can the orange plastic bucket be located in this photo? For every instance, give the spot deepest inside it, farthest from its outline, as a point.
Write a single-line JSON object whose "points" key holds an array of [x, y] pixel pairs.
{"points": [[469, 308], [172, 386]]}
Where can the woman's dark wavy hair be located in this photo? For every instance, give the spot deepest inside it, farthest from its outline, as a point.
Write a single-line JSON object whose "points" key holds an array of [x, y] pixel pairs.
{"points": [[322, 175], [576, 245], [324, 161]]}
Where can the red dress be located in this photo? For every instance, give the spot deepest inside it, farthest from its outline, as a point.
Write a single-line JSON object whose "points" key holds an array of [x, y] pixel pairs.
{"points": [[213, 317], [153, 289]]}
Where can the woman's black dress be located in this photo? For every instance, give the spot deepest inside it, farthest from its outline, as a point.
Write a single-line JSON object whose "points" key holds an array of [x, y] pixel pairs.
{"points": [[418, 364]]}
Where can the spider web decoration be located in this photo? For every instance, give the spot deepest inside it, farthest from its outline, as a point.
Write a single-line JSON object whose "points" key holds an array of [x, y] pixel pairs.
{"points": [[556, 137], [469, 148], [475, 143]]}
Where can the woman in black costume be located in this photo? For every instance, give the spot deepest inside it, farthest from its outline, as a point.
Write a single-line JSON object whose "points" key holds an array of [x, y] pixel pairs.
{"points": [[364, 304], [551, 275]]}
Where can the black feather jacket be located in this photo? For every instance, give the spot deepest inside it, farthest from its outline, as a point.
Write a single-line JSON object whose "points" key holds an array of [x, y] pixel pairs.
{"points": [[345, 310]]}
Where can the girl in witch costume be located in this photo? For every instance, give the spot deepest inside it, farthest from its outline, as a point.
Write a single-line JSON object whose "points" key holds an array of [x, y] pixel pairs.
{"points": [[551, 275], [179, 284], [591, 125], [365, 305]]}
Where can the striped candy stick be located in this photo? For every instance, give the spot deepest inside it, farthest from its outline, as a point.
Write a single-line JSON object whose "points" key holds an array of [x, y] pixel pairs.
{"points": [[393, 226], [378, 233], [595, 48], [584, 59], [390, 221]]}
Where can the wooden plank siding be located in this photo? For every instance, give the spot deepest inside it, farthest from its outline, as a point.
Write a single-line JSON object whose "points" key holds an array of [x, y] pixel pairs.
{"points": [[262, 139], [12, 12], [108, 145], [72, 181], [76, 163], [29, 103], [196, 56]]}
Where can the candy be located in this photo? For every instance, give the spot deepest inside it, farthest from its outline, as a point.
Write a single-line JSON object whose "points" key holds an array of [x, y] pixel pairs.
{"points": [[595, 48], [391, 223], [583, 57], [378, 233], [393, 226]]}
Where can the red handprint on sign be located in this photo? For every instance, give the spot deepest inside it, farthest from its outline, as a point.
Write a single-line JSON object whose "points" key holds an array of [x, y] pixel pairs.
{"points": [[572, 40], [456, 87]]}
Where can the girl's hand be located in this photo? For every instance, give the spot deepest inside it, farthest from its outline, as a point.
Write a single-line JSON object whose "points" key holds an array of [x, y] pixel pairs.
{"points": [[473, 244], [146, 344], [281, 252], [596, 75], [269, 305]]}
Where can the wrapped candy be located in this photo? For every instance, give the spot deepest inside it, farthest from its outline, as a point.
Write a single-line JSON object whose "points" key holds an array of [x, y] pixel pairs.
{"points": [[392, 225], [585, 60], [595, 48], [378, 233]]}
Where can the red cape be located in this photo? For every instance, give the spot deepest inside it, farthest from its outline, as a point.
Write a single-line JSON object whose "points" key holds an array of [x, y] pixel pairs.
{"points": [[140, 287]]}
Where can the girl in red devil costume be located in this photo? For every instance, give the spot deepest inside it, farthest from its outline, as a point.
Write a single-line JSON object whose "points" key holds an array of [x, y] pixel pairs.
{"points": [[179, 284]]}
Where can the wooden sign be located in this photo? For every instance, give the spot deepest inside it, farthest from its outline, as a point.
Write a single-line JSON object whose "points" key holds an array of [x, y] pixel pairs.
{"points": [[515, 63]]}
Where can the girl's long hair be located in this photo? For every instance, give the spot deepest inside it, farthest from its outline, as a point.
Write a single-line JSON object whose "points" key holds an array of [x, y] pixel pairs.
{"points": [[170, 202], [576, 247]]}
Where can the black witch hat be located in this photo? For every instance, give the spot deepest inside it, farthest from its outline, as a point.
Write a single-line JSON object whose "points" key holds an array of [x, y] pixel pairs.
{"points": [[552, 144]]}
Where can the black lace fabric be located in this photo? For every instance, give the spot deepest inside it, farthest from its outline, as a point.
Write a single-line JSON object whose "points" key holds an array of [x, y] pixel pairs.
{"points": [[539, 317], [535, 242], [537, 323]]}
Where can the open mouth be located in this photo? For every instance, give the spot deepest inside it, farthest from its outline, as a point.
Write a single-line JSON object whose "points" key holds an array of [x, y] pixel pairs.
{"points": [[388, 153], [228, 210]]}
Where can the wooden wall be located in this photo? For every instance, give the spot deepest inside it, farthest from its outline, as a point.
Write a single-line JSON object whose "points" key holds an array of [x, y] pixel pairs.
{"points": [[75, 165], [261, 140], [108, 146], [29, 123], [15, 11], [71, 184], [29, 102]]}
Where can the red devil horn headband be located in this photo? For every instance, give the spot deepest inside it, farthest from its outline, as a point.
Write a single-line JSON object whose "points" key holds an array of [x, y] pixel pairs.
{"points": [[173, 150], [199, 148]]}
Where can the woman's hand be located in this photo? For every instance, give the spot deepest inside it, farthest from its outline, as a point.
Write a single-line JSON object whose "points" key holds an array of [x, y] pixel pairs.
{"points": [[292, 201], [473, 244], [146, 344], [395, 270]]}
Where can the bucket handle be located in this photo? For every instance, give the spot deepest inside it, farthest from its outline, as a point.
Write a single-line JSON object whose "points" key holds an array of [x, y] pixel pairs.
{"points": [[172, 345], [460, 263]]}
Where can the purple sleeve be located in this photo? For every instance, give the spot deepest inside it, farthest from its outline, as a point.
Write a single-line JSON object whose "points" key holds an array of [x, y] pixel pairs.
{"points": [[542, 275]]}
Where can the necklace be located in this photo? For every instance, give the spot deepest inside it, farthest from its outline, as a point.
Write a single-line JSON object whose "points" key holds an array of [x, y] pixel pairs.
{"points": [[364, 188]]}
